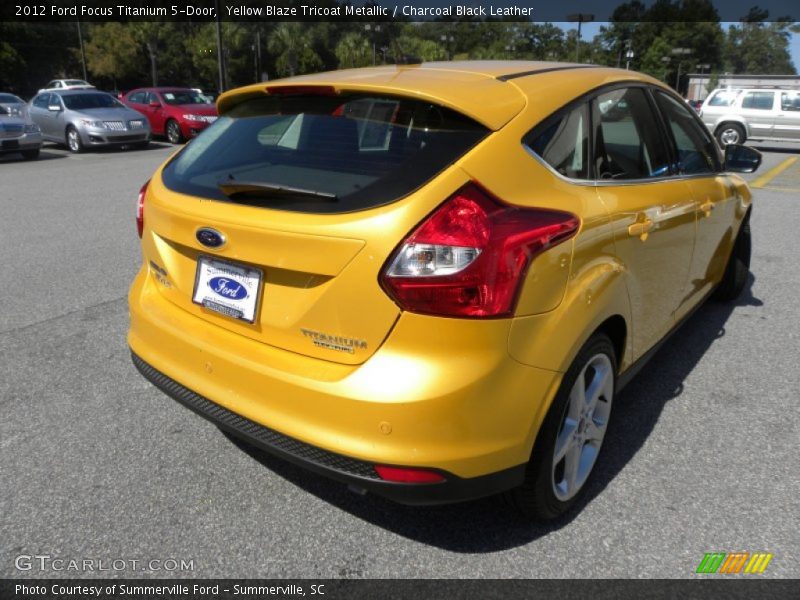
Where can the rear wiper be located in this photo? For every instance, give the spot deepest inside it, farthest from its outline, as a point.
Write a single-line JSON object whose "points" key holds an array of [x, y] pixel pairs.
{"points": [[232, 187]]}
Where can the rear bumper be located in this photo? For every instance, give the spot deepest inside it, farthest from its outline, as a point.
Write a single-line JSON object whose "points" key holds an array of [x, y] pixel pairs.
{"points": [[440, 394], [356, 473]]}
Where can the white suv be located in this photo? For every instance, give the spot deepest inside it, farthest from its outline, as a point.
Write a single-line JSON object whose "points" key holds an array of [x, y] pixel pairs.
{"points": [[735, 115]]}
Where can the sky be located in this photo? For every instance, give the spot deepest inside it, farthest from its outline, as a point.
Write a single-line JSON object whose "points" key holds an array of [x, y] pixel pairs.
{"points": [[589, 30]]}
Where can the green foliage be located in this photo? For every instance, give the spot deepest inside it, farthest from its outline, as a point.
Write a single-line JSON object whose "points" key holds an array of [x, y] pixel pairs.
{"points": [[293, 50], [757, 47], [112, 52], [353, 50], [185, 53]]}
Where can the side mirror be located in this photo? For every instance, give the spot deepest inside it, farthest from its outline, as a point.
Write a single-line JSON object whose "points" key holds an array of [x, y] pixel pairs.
{"points": [[54, 108], [741, 159], [154, 104]]}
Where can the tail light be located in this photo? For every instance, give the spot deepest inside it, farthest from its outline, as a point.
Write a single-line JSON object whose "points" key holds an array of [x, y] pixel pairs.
{"points": [[140, 208], [469, 258], [406, 475]]}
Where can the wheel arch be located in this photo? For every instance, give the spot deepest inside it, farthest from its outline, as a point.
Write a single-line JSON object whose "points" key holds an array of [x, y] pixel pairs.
{"points": [[616, 328], [729, 120]]}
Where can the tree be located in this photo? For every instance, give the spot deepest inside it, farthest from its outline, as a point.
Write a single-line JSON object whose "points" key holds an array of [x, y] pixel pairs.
{"points": [[112, 51], [292, 48], [353, 50], [757, 47]]}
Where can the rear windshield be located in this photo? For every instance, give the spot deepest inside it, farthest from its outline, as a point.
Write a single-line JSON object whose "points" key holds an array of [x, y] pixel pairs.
{"points": [[88, 101], [9, 99], [354, 151]]}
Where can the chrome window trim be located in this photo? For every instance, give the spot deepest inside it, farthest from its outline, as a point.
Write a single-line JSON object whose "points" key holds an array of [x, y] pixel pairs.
{"points": [[589, 97], [618, 182]]}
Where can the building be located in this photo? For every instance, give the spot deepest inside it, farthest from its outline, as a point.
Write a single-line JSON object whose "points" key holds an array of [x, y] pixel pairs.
{"points": [[699, 83]]}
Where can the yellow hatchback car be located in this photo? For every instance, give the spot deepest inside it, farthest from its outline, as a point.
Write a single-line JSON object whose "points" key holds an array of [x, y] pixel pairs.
{"points": [[429, 281]]}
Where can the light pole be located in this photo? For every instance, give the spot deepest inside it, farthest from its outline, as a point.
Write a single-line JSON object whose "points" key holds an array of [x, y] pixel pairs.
{"points": [[679, 52], [83, 52], [702, 68], [374, 33], [666, 60], [448, 40], [628, 54], [220, 52], [579, 18]]}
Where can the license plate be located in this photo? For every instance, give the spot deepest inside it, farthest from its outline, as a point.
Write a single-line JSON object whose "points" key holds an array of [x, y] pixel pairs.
{"points": [[227, 288], [10, 144]]}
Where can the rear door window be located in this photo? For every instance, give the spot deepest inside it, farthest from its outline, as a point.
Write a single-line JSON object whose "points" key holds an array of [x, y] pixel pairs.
{"points": [[758, 100], [628, 142], [322, 153]]}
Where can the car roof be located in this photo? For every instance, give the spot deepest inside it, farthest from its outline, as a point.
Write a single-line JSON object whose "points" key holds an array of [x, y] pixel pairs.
{"points": [[162, 88], [491, 92], [76, 92]]}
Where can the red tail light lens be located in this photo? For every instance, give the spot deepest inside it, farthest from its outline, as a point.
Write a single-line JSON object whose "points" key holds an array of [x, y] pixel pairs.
{"points": [[140, 208], [403, 475], [469, 258]]}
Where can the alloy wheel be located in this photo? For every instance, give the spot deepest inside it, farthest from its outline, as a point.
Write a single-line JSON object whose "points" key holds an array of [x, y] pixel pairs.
{"points": [[729, 136], [173, 133], [73, 141], [583, 427]]}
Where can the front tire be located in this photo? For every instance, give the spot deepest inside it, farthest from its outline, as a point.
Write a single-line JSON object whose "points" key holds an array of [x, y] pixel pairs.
{"points": [[730, 133], [174, 134], [738, 267], [569, 442], [74, 143]]}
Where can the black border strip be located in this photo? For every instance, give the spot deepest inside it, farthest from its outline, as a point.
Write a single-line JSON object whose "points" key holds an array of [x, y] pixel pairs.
{"points": [[511, 76]]}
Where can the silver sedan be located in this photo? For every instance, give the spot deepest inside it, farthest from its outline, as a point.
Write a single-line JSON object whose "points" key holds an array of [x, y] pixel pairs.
{"points": [[18, 134], [15, 104], [85, 118]]}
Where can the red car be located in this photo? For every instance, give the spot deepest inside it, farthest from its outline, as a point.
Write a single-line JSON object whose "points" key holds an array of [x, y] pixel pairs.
{"points": [[177, 113]]}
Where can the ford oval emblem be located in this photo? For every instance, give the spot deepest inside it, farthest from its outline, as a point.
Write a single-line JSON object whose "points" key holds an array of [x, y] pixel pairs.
{"points": [[211, 238], [227, 288]]}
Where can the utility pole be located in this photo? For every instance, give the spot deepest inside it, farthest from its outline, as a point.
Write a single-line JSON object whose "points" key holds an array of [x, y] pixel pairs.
{"points": [[83, 52], [258, 55], [220, 54], [579, 18]]}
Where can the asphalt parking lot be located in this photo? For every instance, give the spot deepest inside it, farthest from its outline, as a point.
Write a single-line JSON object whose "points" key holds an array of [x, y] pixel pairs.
{"points": [[98, 464]]}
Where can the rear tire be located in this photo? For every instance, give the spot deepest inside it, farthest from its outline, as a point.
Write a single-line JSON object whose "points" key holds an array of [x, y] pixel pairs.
{"points": [[738, 267], [73, 138], [173, 130], [730, 133], [569, 442], [30, 154]]}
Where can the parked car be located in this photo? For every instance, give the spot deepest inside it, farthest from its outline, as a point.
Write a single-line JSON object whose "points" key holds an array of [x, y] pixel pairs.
{"points": [[14, 104], [88, 118], [67, 84], [18, 134], [736, 115], [431, 283], [695, 104], [177, 113]]}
